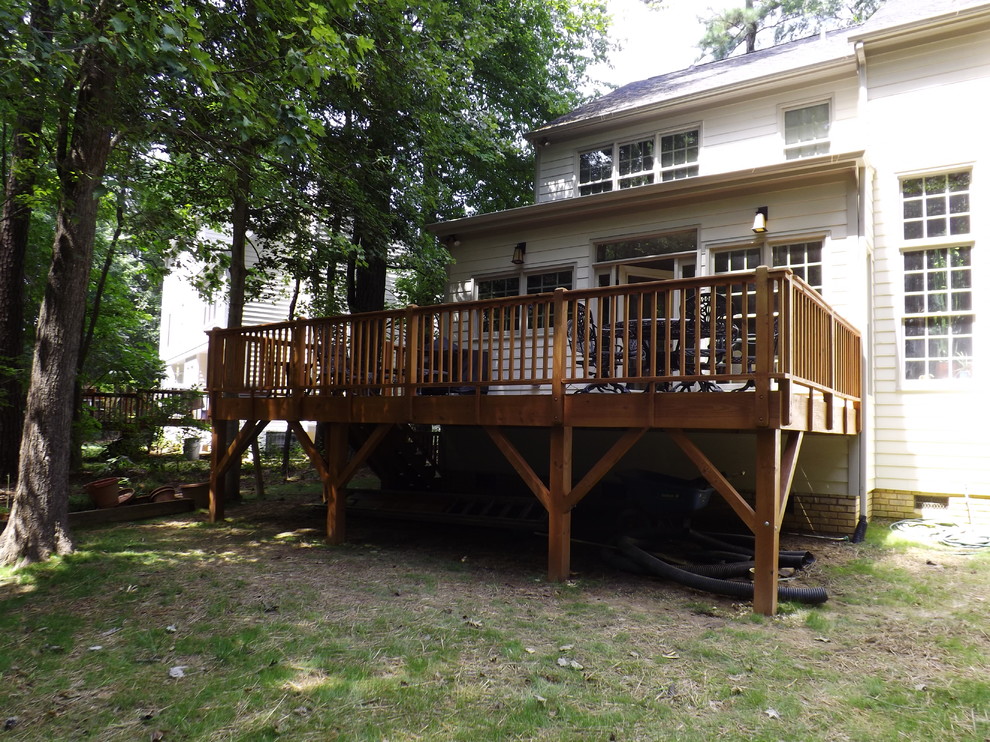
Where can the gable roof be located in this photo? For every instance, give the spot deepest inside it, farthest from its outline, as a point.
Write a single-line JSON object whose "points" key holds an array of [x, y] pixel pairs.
{"points": [[812, 53]]}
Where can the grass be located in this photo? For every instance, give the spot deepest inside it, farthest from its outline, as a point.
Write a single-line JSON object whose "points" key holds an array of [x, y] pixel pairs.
{"points": [[417, 632]]}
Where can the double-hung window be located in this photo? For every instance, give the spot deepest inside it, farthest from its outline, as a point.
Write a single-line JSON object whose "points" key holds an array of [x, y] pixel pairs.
{"points": [[806, 131], [640, 162], [938, 316]]}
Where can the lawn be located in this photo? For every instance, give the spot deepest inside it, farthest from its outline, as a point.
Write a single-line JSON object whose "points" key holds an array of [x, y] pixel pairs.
{"points": [[256, 630]]}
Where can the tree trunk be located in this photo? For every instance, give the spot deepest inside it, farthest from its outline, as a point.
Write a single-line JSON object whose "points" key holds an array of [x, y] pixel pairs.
{"points": [[14, 227], [38, 526], [235, 299]]}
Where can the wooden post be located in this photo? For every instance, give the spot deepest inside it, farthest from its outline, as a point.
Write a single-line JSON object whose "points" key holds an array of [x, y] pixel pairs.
{"points": [[764, 345], [559, 355], [559, 513], [334, 486], [767, 529], [219, 449]]}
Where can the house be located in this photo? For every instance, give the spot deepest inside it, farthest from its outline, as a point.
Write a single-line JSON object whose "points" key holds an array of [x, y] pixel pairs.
{"points": [[790, 238], [863, 150]]}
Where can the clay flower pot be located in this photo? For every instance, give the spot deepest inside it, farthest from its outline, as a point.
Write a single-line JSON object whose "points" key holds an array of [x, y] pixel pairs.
{"points": [[105, 493]]}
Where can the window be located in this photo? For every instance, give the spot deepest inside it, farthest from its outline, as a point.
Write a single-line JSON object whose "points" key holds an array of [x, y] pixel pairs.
{"points": [[804, 258], [676, 152], [936, 205], [744, 259], [499, 318], [938, 316], [664, 244], [505, 318], [806, 131], [542, 283], [636, 164], [632, 164], [596, 171]]}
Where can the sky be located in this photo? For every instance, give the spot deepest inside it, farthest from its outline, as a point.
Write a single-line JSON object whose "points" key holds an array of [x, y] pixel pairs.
{"points": [[656, 41]]}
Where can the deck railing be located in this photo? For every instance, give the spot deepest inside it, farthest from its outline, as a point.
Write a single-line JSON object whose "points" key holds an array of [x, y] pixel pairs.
{"points": [[760, 329], [164, 406]]}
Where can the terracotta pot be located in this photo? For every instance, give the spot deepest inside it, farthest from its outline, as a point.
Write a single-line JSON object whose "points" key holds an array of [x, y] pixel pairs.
{"points": [[105, 493], [199, 493], [164, 494]]}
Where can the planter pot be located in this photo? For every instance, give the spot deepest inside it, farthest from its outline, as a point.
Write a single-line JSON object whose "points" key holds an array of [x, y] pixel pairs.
{"points": [[199, 493], [191, 448], [163, 494], [105, 493]]}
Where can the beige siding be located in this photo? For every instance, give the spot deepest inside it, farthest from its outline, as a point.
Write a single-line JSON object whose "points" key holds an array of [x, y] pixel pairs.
{"points": [[926, 114]]}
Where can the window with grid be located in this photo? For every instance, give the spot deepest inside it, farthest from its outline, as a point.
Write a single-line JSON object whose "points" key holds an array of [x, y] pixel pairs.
{"points": [[936, 205], [938, 313], [804, 258], [541, 283], [636, 164], [806, 131], [498, 318], [741, 259], [595, 171], [679, 155]]}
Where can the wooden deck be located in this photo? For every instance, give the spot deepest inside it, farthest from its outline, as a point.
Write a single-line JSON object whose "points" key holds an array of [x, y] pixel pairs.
{"points": [[787, 364]]}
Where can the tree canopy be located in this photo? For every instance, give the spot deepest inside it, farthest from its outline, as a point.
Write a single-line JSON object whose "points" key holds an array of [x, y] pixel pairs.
{"points": [[333, 131], [770, 22]]}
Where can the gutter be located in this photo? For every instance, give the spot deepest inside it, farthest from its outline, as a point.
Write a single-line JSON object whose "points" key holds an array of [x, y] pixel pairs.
{"points": [[929, 22]]}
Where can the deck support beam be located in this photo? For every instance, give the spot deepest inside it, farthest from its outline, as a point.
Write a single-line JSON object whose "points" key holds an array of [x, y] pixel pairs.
{"points": [[775, 467], [223, 455], [336, 470], [560, 497]]}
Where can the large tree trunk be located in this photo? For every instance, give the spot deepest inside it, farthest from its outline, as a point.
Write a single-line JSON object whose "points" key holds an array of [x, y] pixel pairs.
{"points": [[14, 226], [38, 526], [240, 214]]}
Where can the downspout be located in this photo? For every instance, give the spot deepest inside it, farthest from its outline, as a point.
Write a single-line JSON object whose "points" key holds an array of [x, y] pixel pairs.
{"points": [[865, 187]]}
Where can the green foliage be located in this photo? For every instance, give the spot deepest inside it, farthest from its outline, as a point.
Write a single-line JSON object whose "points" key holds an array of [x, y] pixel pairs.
{"points": [[768, 22]]}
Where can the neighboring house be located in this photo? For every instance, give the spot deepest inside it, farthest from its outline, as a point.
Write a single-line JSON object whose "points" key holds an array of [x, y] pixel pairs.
{"points": [[865, 153], [186, 317]]}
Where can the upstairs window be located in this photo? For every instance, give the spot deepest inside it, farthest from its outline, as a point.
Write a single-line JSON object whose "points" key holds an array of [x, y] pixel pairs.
{"points": [[679, 155], [596, 171], [636, 164], [642, 162], [936, 205], [806, 131]]}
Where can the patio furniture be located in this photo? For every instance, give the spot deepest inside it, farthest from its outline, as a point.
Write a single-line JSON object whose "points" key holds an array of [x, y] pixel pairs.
{"points": [[582, 336]]}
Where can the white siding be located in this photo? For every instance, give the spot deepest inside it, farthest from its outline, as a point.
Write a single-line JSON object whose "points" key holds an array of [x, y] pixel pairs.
{"points": [[926, 114]]}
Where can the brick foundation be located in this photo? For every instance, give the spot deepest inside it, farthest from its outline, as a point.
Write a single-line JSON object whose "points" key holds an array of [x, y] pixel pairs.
{"points": [[959, 509]]}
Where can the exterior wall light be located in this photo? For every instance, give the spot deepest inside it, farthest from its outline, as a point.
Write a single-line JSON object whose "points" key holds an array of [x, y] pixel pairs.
{"points": [[519, 254], [760, 222]]}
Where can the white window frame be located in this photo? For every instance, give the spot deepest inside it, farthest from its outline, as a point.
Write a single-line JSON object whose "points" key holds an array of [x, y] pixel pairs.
{"points": [[656, 174], [794, 147], [523, 277]]}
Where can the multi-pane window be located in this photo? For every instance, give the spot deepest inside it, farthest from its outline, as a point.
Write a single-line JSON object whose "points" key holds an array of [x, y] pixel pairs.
{"points": [[679, 155], [806, 131], [631, 164], [936, 205], [504, 318], [743, 259], [499, 318], [541, 283], [938, 313], [804, 258], [636, 164], [596, 171]]}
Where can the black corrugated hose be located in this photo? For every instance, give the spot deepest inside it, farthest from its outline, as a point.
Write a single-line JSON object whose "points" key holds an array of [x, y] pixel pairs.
{"points": [[660, 568]]}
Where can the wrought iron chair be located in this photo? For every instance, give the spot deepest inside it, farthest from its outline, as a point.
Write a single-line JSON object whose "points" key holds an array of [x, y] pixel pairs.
{"points": [[698, 321], [582, 336]]}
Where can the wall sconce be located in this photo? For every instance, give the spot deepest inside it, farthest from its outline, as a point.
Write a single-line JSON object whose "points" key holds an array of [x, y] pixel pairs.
{"points": [[760, 222], [452, 241], [519, 254]]}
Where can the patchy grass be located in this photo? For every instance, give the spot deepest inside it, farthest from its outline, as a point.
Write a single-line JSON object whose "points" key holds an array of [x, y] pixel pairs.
{"points": [[256, 630]]}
